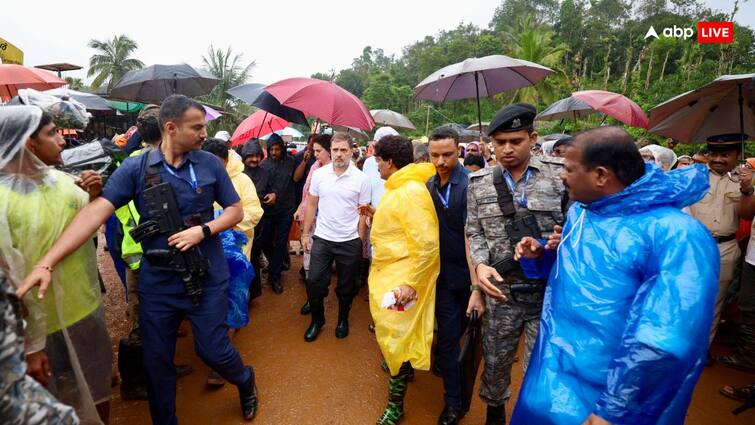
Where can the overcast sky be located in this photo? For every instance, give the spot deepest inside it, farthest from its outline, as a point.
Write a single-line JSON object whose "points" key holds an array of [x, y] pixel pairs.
{"points": [[286, 38]]}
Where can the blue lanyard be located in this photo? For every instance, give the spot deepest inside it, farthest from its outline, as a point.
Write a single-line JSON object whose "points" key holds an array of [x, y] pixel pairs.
{"points": [[510, 182], [447, 198], [193, 181]]}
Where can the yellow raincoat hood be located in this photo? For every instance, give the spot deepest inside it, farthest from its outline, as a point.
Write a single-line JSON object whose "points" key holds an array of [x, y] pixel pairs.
{"points": [[249, 200], [405, 243]]}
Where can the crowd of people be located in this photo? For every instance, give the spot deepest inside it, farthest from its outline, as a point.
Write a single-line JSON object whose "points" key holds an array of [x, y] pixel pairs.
{"points": [[613, 260]]}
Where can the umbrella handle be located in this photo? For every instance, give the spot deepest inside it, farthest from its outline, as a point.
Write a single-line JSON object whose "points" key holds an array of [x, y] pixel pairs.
{"points": [[261, 126], [740, 100]]}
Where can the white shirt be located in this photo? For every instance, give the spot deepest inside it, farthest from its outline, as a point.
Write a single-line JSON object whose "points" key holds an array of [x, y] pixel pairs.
{"points": [[339, 199], [377, 184]]}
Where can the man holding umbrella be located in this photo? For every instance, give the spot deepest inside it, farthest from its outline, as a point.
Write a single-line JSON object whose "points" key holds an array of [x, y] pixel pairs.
{"points": [[723, 205], [520, 196]]}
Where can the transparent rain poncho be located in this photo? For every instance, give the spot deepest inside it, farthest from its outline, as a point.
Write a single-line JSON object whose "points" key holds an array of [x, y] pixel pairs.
{"points": [[36, 204]]}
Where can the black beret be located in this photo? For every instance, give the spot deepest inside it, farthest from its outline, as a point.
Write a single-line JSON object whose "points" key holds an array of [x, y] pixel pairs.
{"points": [[514, 117]]}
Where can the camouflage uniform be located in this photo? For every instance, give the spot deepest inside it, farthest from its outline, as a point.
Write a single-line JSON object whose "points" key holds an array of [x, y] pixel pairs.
{"points": [[23, 401], [504, 321]]}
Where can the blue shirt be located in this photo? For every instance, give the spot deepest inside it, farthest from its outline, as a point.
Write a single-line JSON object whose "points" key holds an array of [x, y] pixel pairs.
{"points": [[454, 270], [127, 183]]}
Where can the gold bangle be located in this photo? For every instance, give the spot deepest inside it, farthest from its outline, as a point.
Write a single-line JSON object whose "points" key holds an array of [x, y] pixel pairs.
{"points": [[42, 266]]}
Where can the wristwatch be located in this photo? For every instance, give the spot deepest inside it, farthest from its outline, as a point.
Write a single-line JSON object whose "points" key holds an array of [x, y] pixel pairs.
{"points": [[748, 192], [206, 230]]}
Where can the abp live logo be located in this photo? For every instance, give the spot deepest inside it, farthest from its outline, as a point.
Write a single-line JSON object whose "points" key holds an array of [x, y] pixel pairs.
{"points": [[715, 32], [707, 32]]}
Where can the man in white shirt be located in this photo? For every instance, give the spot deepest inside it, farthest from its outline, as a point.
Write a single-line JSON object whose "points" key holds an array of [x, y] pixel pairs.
{"points": [[336, 192]]}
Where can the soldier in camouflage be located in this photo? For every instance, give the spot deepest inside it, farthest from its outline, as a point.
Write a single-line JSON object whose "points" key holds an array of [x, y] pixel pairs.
{"points": [[23, 401], [520, 196]]}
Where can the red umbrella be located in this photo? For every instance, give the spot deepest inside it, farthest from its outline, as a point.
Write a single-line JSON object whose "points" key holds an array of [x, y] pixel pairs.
{"points": [[324, 100], [258, 124], [614, 105], [15, 77]]}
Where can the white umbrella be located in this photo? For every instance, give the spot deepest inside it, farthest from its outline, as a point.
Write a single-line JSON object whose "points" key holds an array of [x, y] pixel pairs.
{"points": [[725, 105], [90, 100], [391, 118], [480, 77]]}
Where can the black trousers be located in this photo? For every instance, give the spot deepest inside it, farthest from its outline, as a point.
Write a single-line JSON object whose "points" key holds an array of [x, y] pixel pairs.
{"points": [[450, 312], [256, 288], [347, 256]]}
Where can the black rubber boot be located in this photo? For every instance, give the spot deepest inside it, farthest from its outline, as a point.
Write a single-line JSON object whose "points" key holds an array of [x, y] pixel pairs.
{"points": [[305, 310], [342, 330], [496, 415], [131, 368], [317, 311]]}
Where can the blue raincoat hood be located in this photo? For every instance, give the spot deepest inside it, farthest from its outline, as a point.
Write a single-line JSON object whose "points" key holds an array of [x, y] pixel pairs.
{"points": [[678, 188], [628, 308]]}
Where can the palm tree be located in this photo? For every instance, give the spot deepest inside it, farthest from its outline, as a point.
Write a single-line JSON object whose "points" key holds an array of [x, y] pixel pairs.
{"points": [[112, 60], [533, 42], [228, 67]]}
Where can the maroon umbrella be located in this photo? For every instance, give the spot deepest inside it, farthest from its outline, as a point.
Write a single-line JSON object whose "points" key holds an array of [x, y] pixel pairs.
{"points": [[614, 105], [324, 100]]}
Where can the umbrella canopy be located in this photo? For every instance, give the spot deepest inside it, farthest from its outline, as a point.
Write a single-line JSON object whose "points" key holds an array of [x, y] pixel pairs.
{"points": [[353, 132], [126, 106], [154, 83], [570, 107], [713, 109], [324, 100], [614, 105], [290, 131], [480, 77], [391, 118], [258, 124], [247, 93], [91, 101], [15, 77], [254, 94], [211, 113]]}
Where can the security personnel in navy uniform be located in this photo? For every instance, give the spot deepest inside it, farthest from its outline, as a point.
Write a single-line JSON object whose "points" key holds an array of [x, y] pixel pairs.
{"points": [[448, 189], [198, 180]]}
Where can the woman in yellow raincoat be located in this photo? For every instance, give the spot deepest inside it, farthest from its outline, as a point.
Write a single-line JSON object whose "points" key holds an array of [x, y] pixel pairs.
{"points": [[406, 262]]}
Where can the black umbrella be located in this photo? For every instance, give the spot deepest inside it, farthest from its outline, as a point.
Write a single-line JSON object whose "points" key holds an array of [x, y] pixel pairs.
{"points": [[247, 93], [254, 94], [469, 359], [154, 83]]}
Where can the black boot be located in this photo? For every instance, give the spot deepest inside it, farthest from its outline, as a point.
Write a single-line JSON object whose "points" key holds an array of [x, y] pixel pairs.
{"points": [[342, 330], [317, 311], [496, 415], [248, 396], [450, 416], [131, 369], [276, 286], [305, 310]]}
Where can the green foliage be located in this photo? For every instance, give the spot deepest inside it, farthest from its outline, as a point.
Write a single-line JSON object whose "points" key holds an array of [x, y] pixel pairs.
{"points": [[229, 67], [112, 60], [76, 84]]}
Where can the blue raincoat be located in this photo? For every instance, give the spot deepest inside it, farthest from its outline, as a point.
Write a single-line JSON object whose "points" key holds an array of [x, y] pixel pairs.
{"points": [[628, 308]]}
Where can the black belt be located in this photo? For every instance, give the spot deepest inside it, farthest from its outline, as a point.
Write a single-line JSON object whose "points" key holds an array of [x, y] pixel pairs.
{"points": [[727, 238]]}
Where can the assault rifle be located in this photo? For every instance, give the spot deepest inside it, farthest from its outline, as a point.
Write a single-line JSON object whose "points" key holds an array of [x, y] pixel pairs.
{"points": [[166, 220]]}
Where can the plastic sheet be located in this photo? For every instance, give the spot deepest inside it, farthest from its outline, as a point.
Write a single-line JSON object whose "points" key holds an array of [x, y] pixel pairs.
{"points": [[66, 113], [36, 204], [405, 252], [628, 308]]}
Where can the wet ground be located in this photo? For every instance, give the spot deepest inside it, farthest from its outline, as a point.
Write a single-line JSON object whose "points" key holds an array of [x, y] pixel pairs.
{"points": [[333, 381]]}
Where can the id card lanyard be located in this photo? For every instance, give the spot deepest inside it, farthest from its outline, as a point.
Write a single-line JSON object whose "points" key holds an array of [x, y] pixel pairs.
{"points": [[193, 183], [445, 200], [522, 201]]}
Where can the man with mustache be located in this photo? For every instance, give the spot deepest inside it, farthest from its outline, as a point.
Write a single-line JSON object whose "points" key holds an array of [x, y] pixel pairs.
{"points": [[730, 194], [455, 292], [336, 192], [519, 196]]}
